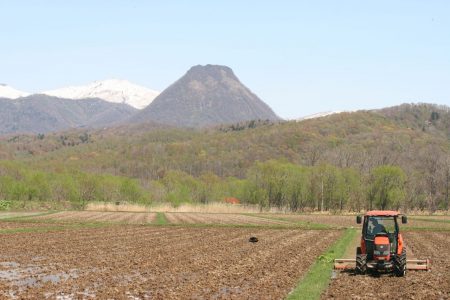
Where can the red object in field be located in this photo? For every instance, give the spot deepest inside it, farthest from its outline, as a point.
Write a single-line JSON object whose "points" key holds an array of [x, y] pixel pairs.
{"points": [[232, 200]]}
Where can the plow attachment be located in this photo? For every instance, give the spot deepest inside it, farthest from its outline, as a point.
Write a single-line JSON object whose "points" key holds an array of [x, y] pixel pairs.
{"points": [[418, 264], [411, 264]]}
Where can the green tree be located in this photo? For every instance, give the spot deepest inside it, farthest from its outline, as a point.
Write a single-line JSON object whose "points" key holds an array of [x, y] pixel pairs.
{"points": [[387, 189], [88, 188], [131, 191]]}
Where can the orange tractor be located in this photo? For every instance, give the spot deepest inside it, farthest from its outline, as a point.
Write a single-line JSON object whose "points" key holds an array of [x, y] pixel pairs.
{"points": [[382, 246]]}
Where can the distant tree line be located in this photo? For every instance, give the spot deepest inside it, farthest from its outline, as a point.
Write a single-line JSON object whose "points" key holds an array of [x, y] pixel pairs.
{"points": [[22, 187], [268, 184]]}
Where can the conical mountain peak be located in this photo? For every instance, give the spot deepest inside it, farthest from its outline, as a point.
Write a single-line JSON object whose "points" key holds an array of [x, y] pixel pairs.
{"points": [[206, 95]]}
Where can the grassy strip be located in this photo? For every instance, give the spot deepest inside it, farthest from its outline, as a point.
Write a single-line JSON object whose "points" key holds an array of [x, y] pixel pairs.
{"points": [[304, 224], [18, 218], [161, 218], [318, 277], [159, 222], [425, 229], [256, 226], [430, 220]]}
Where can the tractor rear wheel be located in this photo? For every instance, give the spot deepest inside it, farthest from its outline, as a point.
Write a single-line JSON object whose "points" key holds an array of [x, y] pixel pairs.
{"points": [[361, 262], [400, 264]]}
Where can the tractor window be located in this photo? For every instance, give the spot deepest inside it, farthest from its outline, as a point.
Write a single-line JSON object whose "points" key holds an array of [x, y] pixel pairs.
{"points": [[377, 225]]}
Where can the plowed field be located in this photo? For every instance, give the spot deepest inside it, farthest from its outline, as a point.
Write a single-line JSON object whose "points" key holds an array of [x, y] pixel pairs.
{"points": [[434, 284], [131, 262], [93, 216], [236, 219]]}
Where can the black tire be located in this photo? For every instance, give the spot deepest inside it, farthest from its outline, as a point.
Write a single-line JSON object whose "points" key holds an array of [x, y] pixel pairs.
{"points": [[361, 262], [400, 264]]}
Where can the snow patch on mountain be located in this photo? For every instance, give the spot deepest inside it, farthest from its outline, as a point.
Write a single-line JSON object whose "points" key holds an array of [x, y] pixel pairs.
{"points": [[9, 92], [321, 114], [111, 90]]}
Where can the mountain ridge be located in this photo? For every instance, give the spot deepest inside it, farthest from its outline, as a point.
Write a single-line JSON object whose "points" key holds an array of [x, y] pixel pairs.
{"points": [[40, 113]]}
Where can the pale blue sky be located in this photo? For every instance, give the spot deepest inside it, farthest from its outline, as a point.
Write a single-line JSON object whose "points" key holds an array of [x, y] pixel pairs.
{"points": [[301, 57]]}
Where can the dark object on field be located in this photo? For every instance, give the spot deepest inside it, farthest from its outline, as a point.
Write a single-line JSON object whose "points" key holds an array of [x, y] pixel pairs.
{"points": [[253, 239], [382, 247]]}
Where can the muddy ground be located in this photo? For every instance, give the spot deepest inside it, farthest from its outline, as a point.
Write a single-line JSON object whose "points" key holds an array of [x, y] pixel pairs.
{"points": [[158, 262], [434, 284]]}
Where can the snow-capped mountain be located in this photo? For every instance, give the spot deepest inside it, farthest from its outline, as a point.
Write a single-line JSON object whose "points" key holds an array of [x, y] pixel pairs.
{"points": [[9, 92], [111, 90]]}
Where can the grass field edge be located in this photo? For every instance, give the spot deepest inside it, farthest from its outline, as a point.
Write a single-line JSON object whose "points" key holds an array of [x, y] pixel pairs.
{"points": [[161, 218], [316, 281], [310, 225]]}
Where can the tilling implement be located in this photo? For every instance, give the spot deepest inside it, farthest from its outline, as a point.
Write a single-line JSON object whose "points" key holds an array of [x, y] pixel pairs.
{"points": [[382, 247]]}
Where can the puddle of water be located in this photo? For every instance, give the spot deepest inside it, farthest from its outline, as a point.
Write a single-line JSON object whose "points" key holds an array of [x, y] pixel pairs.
{"points": [[31, 275], [86, 294], [9, 264]]}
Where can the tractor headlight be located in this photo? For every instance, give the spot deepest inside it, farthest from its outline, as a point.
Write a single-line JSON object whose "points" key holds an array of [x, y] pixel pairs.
{"points": [[376, 252]]}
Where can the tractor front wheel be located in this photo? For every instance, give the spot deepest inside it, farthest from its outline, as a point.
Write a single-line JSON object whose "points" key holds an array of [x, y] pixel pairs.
{"points": [[361, 262], [400, 264]]}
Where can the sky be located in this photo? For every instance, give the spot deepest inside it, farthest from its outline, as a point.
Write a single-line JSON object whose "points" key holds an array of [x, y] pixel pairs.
{"points": [[300, 57]]}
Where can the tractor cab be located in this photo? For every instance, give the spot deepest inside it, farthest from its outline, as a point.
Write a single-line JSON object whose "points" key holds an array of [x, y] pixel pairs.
{"points": [[382, 246], [381, 233]]}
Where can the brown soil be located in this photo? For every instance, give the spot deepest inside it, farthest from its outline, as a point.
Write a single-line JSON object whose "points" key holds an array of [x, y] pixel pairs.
{"points": [[434, 284], [202, 218], [134, 262]]}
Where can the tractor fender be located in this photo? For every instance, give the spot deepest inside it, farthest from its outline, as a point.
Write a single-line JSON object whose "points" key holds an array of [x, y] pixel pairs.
{"points": [[400, 244], [363, 246]]}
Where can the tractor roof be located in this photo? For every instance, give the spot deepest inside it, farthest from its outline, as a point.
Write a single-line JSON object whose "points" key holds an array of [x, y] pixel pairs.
{"points": [[383, 213]]}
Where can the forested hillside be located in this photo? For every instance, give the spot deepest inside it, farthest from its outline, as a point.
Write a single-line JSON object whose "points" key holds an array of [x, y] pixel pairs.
{"points": [[393, 158]]}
